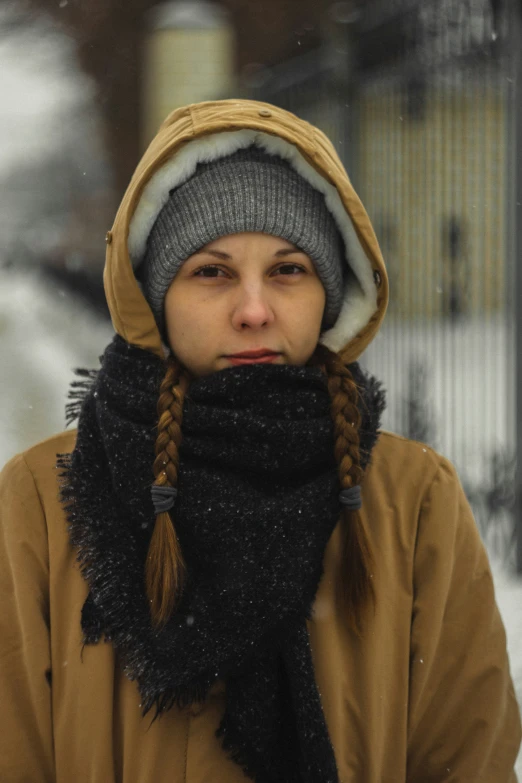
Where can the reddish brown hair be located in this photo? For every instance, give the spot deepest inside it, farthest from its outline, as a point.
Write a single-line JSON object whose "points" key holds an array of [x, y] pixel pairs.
{"points": [[357, 586], [165, 569]]}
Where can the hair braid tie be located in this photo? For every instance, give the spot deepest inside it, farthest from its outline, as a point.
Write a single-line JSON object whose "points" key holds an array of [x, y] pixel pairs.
{"points": [[163, 498], [351, 498]]}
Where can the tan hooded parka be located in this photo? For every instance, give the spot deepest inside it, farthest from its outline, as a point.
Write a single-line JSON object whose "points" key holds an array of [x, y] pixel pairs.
{"points": [[424, 696]]}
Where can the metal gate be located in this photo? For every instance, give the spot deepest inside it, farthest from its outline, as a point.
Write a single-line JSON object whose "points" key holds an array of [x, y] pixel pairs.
{"points": [[425, 122]]}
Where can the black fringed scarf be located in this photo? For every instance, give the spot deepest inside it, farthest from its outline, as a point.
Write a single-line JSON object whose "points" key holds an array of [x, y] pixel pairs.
{"points": [[257, 502]]}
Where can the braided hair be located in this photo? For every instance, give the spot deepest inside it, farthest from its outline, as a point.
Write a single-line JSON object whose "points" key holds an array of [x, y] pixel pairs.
{"points": [[356, 582], [165, 570]]}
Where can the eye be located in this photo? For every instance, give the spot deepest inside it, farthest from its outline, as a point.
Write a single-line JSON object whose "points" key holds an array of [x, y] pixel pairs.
{"points": [[290, 269], [210, 269]]}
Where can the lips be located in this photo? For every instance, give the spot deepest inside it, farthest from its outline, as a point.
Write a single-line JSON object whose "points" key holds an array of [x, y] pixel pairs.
{"points": [[260, 356], [261, 353]]}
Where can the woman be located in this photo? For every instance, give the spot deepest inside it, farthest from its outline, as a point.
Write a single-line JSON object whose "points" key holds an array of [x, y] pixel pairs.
{"points": [[228, 569]]}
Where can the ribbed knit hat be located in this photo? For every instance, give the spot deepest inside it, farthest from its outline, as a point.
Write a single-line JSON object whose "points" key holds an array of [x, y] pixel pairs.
{"points": [[249, 190]]}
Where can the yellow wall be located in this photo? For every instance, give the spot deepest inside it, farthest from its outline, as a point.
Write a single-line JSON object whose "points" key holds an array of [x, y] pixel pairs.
{"points": [[415, 173], [185, 66]]}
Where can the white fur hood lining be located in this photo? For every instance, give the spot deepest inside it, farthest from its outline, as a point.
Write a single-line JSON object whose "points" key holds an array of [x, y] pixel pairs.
{"points": [[360, 295]]}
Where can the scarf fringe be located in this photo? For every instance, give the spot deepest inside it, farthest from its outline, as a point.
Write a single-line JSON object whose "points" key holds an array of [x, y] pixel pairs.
{"points": [[234, 752], [91, 619], [78, 391], [372, 401], [175, 698]]}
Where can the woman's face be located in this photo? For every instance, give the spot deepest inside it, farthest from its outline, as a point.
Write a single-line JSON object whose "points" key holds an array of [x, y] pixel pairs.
{"points": [[244, 292]]}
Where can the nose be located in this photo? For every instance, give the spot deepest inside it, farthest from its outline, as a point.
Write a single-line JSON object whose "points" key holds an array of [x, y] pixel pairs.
{"points": [[252, 308]]}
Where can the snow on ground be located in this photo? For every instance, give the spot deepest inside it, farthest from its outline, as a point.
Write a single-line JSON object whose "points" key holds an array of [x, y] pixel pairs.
{"points": [[508, 589], [44, 334]]}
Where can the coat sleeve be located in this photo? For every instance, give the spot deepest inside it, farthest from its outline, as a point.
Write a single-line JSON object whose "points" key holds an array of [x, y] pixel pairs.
{"points": [[26, 741], [464, 722]]}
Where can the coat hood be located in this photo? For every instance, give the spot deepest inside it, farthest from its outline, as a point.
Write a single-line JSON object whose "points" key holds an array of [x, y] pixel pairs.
{"points": [[213, 129]]}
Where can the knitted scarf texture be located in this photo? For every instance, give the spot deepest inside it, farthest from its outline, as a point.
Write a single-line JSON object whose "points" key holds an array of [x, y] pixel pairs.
{"points": [[257, 503]]}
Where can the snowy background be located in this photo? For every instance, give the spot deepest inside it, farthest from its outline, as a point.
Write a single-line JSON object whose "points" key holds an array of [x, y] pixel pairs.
{"points": [[47, 133]]}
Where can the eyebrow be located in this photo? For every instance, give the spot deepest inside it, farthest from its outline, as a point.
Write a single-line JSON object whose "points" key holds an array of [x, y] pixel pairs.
{"points": [[226, 257]]}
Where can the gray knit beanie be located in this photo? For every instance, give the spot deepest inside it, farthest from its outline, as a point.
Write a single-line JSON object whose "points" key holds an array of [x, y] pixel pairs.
{"points": [[249, 190]]}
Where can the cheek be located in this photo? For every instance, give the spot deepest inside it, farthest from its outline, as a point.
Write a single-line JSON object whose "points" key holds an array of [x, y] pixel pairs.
{"points": [[188, 328], [312, 309], [181, 325], [177, 320], [306, 324]]}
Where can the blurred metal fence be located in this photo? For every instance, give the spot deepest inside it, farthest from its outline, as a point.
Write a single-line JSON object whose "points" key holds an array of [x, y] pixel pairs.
{"points": [[419, 97]]}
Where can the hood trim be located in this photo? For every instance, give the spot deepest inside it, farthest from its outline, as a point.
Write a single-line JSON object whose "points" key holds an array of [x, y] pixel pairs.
{"points": [[360, 294]]}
